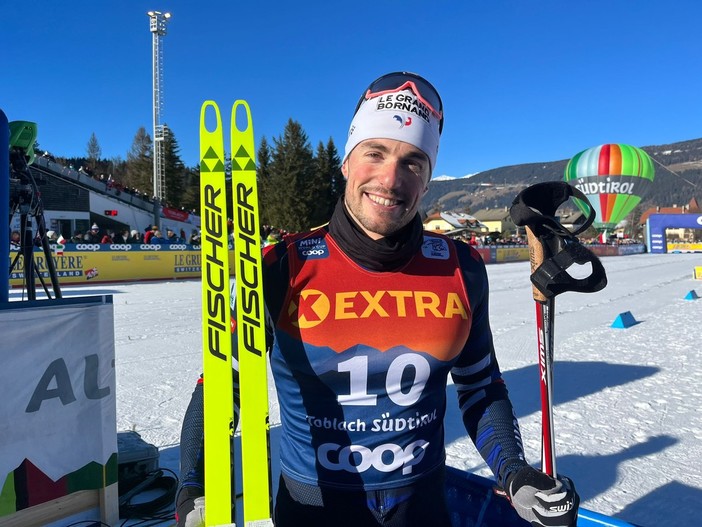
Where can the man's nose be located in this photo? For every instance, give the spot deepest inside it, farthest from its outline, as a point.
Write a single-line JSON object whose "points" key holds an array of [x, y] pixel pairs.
{"points": [[391, 174]]}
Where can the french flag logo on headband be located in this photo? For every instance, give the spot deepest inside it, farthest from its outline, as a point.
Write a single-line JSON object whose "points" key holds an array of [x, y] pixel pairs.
{"points": [[404, 121]]}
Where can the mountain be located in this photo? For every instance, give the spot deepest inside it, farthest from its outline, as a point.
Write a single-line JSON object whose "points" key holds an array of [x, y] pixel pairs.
{"points": [[678, 179]]}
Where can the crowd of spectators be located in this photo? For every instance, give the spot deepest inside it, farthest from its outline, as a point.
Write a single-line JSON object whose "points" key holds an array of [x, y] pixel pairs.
{"points": [[271, 235], [96, 235], [477, 240], [492, 240], [111, 184]]}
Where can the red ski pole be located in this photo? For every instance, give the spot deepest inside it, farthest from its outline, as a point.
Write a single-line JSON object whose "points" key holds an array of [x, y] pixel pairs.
{"points": [[544, 334], [552, 250]]}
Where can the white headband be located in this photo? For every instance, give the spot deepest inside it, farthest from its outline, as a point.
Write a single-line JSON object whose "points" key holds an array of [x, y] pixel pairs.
{"points": [[399, 116]]}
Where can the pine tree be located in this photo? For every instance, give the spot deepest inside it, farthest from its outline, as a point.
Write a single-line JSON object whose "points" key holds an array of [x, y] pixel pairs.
{"points": [[139, 174], [263, 177], [116, 167], [336, 178], [328, 182], [94, 151], [321, 182], [191, 195], [174, 169], [291, 191]]}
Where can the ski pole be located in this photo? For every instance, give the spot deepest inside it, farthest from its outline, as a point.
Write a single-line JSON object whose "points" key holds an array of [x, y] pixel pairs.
{"points": [[552, 250], [544, 334]]}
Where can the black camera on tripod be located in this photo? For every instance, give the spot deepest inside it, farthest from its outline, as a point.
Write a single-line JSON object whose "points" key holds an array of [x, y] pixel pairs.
{"points": [[25, 200], [23, 183]]}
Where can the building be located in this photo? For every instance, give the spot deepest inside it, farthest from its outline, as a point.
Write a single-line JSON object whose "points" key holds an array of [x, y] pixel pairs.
{"points": [[496, 220], [453, 223], [692, 207], [73, 201]]}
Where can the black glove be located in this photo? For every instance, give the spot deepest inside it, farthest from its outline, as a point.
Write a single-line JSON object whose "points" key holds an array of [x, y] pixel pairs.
{"points": [[185, 503], [542, 500]]}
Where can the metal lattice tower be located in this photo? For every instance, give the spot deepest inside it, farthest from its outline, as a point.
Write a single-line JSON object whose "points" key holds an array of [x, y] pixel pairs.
{"points": [[157, 26]]}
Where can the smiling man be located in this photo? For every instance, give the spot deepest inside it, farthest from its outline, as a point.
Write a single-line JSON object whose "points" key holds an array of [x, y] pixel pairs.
{"points": [[368, 316], [386, 180]]}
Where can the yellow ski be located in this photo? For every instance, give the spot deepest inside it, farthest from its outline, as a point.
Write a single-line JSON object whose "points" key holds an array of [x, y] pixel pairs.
{"points": [[216, 332], [251, 335]]}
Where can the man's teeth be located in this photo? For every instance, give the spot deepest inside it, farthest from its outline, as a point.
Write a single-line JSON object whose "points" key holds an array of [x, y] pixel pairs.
{"points": [[383, 201]]}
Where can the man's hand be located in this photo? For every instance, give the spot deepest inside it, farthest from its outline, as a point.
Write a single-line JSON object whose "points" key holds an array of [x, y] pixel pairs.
{"points": [[190, 508], [196, 517], [542, 500]]}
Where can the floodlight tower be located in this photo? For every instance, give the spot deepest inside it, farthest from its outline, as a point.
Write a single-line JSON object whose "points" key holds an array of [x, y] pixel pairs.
{"points": [[157, 25]]}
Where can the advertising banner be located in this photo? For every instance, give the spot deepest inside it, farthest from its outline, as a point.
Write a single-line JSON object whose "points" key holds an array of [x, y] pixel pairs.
{"points": [[57, 400], [656, 225], [684, 247], [512, 254], [85, 263], [175, 214]]}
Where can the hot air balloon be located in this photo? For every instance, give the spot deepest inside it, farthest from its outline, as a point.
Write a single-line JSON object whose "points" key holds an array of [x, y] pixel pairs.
{"points": [[614, 177]]}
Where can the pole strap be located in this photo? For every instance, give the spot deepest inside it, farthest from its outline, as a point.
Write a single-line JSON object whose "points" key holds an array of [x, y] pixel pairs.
{"points": [[554, 248]]}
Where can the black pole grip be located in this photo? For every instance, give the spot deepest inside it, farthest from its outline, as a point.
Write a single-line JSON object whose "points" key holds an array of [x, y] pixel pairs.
{"points": [[553, 248]]}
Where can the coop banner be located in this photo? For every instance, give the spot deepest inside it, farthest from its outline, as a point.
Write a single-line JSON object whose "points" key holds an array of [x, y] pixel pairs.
{"points": [[91, 263], [57, 385]]}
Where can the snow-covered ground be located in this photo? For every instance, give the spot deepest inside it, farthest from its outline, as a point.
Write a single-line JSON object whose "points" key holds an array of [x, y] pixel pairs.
{"points": [[628, 416]]}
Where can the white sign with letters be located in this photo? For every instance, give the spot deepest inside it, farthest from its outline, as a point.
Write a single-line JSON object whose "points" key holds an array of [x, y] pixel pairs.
{"points": [[57, 385]]}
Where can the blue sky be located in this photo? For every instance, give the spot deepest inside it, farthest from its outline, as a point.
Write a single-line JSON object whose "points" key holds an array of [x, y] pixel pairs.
{"points": [[522, 81]]}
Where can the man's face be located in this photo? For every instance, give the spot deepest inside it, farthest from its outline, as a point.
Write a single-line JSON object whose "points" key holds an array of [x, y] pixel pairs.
{"points": [[386, 180]]}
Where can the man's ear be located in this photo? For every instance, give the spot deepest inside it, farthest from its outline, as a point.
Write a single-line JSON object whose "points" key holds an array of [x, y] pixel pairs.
{"points": [[345, 168]]}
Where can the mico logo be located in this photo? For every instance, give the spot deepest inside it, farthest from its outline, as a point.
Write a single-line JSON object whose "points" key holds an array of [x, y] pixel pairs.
{"points": [[357, 458]]}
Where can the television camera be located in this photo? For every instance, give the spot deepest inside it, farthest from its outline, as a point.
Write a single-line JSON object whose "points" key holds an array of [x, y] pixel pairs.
{"points": [[25, 200]]}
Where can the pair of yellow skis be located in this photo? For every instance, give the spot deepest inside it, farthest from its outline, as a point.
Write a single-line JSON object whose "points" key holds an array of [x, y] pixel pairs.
{"points": [[220, 495]]}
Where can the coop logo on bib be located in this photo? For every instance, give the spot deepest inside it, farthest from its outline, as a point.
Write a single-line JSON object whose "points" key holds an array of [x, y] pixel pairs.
{"points": [[312, 248], [384, 458]]}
